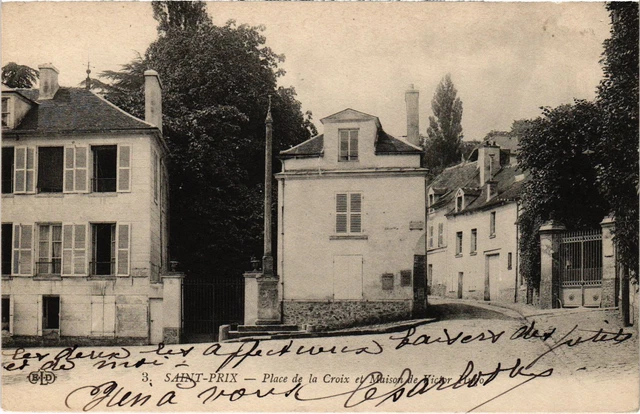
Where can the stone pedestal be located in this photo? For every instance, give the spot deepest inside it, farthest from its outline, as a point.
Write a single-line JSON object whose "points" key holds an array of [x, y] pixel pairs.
{"points": [[261, 299], [549, 279], [609, 291], [172, 307]]}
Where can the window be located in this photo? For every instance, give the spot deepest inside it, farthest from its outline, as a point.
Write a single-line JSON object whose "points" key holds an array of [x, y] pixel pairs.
{"points": [[405, 278], [74, 249], [387, 281], [459, 202], [440, 234], [51, 312], [459, 243], [6, 236], [104, 168], [509, 261], [431, 200], [75, 169], [104, 249], [49, 249], [6, 314], [474, 241], [429, 278], [349, 213], [7, 170], [50, 169], [110, 246], [5, 112], [22, 242], [492, 225], [24, 170], [430, 236], [348, 145]]}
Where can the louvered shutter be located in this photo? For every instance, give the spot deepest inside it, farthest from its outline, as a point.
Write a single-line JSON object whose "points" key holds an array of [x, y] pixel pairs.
{"points": [[69, 169], [123, 240], [80, 170], [341, 213], [353, 146], [25, 259], [124, 168], [20, 170], [31, 170], [356, 213], [80, 249], [16, 249], [67, 249]]}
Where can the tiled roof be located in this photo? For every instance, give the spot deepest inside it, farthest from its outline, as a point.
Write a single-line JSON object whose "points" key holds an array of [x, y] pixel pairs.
{"points": [[310, 148], [386, 144], [75, 110], [452, 178], [508, 190]]}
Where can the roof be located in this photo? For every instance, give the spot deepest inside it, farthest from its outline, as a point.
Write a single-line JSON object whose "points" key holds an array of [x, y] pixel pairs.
{"points": [[448, 181], [350, 115], [386, 144], [504, 140], [75, 110], [310, 148]]}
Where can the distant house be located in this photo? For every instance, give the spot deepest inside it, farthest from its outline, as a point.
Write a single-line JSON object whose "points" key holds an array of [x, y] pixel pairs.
{"points": [[472, 232], [351, 206], [85, 218]]}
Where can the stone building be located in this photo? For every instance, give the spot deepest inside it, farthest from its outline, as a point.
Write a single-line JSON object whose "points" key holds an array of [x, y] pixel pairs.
{"points": [[472, 232], [351, 213], [85, 218]]}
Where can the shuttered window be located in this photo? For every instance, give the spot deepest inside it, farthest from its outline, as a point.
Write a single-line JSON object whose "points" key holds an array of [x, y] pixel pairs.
{"points": [[75, 169], [430, 236], [25, 170], [440, 234], [124, 168], [123, 245], [348, 145], [74, 249], [22, 249], [349, 213]]}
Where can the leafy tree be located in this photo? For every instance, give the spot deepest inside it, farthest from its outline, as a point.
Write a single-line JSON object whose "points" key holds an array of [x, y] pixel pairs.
{"points": [[18, 76], [444, 134], [618, 148], [216, 81], [555, 150]]}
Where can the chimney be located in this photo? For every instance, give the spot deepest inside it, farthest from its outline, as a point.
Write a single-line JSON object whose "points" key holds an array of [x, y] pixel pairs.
{"points": [[153, 99], [48, 81], [412, 97], [488, 161]]}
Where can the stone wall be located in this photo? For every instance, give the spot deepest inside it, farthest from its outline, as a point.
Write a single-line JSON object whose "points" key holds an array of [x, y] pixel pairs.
{"points": [[342, 314]]}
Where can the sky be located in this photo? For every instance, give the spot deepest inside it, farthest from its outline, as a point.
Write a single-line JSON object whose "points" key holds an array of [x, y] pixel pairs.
{"points": [[506, 59]]}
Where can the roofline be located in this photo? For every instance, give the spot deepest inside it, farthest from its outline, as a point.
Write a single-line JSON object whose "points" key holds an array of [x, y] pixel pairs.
{"points": [[17, 92], [355, 110], [35, 133], [292, 156], [303, 142], [123, 111]]}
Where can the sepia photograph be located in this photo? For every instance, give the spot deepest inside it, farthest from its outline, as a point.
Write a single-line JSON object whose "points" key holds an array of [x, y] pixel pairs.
{"points": [[320, 206]]}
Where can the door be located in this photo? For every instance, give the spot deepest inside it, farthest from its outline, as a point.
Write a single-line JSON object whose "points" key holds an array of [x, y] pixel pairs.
{"points": [[156, 325], [492, 277], [347, 277], [460, 277]]}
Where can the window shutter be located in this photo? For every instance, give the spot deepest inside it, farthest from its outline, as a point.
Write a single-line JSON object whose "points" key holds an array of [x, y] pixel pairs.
{"points": [[31, 170], [20, 170], [81, 169], [67, 249], [69, 163], [16, 249], [156, 178], [356, 213], [11, 307], [353, 146], [124, 168], [25, 259], [123, 240], [341, 213], [79, 249]]}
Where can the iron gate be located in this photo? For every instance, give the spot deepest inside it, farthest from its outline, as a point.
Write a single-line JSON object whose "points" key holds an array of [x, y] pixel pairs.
{"points": [[580, 268], [209, 304]]}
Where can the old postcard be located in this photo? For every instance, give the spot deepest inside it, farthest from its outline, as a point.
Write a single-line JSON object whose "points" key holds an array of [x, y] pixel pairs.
{"points": [[319, 207]]}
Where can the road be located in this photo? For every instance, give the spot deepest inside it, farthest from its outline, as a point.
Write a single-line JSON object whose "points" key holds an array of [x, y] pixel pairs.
{"points": [[475, 357]]}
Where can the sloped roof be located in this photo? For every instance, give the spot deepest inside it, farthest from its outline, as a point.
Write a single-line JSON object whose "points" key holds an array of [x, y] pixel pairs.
{"points": [[75, 110], [386, 144], [448, 181], [310, 148], [351, 115], [505, 141]]}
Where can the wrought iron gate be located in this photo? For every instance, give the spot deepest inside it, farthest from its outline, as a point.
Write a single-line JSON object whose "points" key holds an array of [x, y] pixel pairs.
{"points": [[209, 304], [580, 268]]}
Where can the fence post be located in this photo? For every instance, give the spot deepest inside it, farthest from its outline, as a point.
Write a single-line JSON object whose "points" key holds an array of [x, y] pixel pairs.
{"points": [[550, 233], [251, 297], [172, 307], [608, 264]]}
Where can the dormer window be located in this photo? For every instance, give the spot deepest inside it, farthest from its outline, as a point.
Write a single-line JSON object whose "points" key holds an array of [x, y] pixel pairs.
{"points": [[459, 202], [5, 112], [348, 145], [431, 199]]}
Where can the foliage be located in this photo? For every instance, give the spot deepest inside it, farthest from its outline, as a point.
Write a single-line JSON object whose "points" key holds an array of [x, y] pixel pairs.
{"points": [[444, 134], [618, 148], [18, 76], [216, 81], [556, 149]]}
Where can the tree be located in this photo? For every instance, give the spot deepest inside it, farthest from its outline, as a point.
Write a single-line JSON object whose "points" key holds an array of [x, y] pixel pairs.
{"points": [[18, 76], [444, 134], [216, 81], [555, 150], [618, 148]]}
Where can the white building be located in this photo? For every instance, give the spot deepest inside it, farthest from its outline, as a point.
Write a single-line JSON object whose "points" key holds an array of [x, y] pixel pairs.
{"points": [[351, 206], [85, 218], [472, 231]]}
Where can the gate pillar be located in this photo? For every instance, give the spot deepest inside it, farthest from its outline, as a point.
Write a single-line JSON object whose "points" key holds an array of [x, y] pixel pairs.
{"points": [[549, 279], [261, 300], [609, 296], [172, 307]]}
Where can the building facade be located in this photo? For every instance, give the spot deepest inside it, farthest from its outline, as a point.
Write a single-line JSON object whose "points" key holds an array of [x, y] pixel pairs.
{"points": [[472, 231], [351, 213], [85, 218]]}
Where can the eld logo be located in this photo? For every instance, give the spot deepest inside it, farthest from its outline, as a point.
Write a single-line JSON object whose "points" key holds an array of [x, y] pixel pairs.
{"points": [[41, 377]]}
